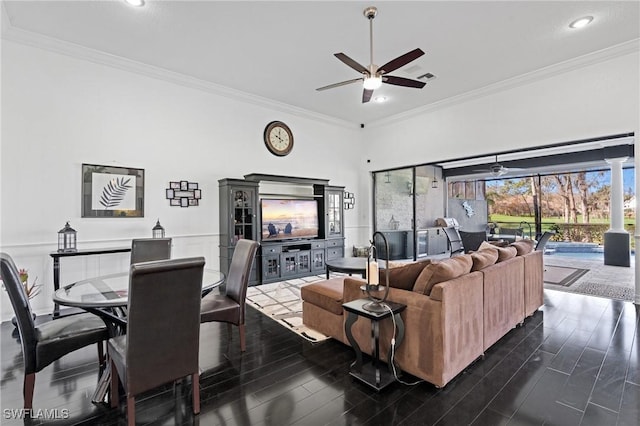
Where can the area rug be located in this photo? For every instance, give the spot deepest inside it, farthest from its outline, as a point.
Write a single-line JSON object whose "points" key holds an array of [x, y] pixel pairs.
{"points": [[606, 290], [562, 275], [281, 302]]}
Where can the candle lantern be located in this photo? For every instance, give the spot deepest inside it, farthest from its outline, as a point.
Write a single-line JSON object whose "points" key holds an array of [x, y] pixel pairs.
{"points": [[67, 239], [372, 287], [158, 230]]}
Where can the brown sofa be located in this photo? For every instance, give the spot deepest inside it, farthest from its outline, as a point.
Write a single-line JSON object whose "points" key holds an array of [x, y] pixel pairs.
{"points": [[456, 308]]}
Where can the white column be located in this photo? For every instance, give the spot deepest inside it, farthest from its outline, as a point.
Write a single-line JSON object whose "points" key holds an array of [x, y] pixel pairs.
{"points": [[637, 232], [617, 194]]}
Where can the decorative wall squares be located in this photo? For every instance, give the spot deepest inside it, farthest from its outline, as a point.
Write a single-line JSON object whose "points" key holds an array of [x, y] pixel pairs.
{"points": [[183, 194]]}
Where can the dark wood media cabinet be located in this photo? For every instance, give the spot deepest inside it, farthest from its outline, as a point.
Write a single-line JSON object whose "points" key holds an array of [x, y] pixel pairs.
{"points": [[280, 259]]}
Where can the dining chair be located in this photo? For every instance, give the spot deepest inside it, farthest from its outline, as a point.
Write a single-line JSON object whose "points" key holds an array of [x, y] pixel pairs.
{"points": [[147, 249], [163, 330], [455, 240], [230, 307], [47, 342]]}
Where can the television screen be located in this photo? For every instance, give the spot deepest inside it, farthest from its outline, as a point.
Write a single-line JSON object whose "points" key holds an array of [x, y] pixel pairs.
{"points": [[288, 218]]}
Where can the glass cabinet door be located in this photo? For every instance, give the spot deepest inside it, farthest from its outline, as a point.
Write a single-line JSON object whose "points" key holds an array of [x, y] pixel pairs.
{"points": [[304, 261], [243, 201], [317, 258], [334, 216]]}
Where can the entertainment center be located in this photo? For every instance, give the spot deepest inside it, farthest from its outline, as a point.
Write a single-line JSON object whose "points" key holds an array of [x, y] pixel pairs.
{"points": [[297, 221]]}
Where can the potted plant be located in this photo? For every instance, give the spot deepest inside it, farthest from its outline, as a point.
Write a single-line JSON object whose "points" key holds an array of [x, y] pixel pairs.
{"points": [[32, 290]]}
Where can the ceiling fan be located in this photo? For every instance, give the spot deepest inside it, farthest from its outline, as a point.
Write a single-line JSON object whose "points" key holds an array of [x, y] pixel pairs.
{"points": [[373, 76], [497, 169]]}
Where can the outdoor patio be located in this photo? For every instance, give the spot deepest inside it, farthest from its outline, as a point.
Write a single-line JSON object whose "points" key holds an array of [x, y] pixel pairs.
{"points": [[613, 282]]}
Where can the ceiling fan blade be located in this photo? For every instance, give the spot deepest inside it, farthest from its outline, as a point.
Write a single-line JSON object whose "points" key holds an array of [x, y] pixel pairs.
{"points": [[401, 81], [366, 95], [350, 62], [342, 83], [400, 61]]}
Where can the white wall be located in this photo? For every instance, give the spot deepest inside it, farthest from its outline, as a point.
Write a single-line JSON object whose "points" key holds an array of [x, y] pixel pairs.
{"points": [[59, 112], [596, 100]]}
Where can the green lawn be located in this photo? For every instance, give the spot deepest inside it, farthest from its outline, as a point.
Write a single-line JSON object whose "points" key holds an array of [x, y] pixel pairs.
{"points": [[502, 218]]}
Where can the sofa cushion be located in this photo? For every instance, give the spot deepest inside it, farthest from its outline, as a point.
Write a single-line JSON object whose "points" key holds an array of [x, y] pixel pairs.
{"points": [[441, 271], [487, 245], [404, 277], [483, 258], [505, 253], [325, 294], [523, 247]]}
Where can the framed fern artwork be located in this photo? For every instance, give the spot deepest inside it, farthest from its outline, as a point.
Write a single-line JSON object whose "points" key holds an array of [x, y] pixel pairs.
{"points": [[110, 191]]}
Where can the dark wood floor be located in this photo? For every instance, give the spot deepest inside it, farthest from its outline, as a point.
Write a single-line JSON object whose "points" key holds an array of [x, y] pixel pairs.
{"points": [[575, 362]]}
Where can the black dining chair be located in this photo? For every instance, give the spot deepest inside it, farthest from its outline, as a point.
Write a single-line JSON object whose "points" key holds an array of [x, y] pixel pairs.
{"points": [[163, 330], [455, 240], [147, 249], [230, 307], [45, 343]]}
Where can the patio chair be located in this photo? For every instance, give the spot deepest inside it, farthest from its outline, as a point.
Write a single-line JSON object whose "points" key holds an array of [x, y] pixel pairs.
{"points": [[544, 239], [471, 240], [455, 241]]}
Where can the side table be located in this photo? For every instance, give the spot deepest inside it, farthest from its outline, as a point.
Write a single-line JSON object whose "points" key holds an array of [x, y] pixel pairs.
{"points": [[371, 374]]}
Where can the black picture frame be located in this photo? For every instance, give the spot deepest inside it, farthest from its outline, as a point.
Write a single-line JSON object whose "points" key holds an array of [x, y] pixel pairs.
{"points": [[112, 191], [183, 193]]}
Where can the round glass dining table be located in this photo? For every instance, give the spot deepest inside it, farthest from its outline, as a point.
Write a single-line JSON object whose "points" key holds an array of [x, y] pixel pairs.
{"points": [[111, 291]]}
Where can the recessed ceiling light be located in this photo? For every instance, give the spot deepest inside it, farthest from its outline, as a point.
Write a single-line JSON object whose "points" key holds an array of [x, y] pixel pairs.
{"points": [[582, 22], [136, 3], [380, 99]]}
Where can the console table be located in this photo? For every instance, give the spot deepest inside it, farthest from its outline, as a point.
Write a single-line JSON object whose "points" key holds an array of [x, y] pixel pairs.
{"points": [[371, 374], [56, 255]]}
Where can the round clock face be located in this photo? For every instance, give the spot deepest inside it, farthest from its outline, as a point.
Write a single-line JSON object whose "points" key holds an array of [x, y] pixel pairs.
{"points": [[278, 138]]}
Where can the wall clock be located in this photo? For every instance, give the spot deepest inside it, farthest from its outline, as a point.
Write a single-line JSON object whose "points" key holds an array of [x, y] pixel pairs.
{"points": [[278, 138]]}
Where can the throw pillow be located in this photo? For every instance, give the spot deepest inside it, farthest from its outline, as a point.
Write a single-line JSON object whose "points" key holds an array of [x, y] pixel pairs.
{"points": [[505, 253], [486, 245], [523, 247], [483, 258], [444, 270], [403, 277]]}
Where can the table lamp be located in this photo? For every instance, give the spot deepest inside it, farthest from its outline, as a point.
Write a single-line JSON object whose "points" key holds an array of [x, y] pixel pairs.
{"points": [[373, 278]]}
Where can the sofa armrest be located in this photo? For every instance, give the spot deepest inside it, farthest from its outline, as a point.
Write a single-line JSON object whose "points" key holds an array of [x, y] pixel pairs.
{"points": [[351, 290]]}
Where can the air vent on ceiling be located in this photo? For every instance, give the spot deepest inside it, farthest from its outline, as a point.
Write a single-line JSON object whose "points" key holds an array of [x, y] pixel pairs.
{"points": [[427, 76]]}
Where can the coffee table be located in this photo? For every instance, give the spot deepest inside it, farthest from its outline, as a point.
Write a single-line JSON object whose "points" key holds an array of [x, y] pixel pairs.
{"points": [[350, 265]]}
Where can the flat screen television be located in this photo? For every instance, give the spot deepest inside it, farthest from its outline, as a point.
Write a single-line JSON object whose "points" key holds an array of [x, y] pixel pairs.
{"points": [[284, 219]]}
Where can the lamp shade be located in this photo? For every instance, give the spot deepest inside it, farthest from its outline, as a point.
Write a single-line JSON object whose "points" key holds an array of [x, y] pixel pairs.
{"points": [[158, 230], [67, 239]]}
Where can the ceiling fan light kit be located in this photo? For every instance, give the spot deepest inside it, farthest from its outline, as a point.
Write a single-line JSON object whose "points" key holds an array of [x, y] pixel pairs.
{"points": [[373, 76]]}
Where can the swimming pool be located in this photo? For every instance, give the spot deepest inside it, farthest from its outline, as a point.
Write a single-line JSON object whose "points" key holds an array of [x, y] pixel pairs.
{"points": [[586, 251]]}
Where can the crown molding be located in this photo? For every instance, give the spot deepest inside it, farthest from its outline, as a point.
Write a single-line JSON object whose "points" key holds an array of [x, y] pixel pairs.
{"points": [[632, 46], [11, 33], [17, 35]]}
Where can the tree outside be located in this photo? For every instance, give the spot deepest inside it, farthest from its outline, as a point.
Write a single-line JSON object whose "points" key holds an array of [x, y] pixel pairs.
{"points": [[575, 205]]}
